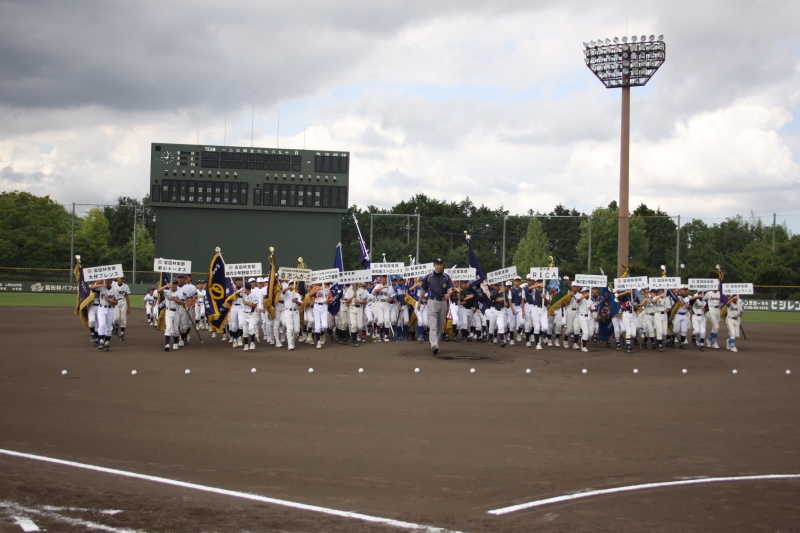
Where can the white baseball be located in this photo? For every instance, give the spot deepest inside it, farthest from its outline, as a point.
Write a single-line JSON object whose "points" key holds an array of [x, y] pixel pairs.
{"points": [[787, 372], [415, 370], [64, 372], [735, 371], [310, 370], [253, 370], [684, 370], [133, 372], [584, 371], [360, 370], [528, 371], [635, 370], [471, 370], [187, 371]]}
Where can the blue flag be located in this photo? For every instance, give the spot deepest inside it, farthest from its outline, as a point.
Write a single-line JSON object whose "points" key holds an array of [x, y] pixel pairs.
{"points": [[480, 277], [363, 251], [336, 288], [219, 289], [607, 308]]}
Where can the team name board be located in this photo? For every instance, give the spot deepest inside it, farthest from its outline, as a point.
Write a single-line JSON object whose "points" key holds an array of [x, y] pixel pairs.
{"points": [[703, 284], [297, 274], [665, 283], [387, 269], [591, 280], [626, 284], [461, 274], [737, 288], [173, 266], [355, 276], [238, 270], [504, 274], [330, 275], [417, 271], [544, 273], [102, 272]]}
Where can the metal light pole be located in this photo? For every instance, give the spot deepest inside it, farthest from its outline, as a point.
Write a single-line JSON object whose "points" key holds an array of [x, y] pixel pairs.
{"points": [[624, 64]]}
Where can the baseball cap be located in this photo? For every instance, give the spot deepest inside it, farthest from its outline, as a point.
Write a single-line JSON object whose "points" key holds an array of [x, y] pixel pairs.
{"points": [[508, 284], [438, 260], [585, 289], [566, 278], [517, 278]]}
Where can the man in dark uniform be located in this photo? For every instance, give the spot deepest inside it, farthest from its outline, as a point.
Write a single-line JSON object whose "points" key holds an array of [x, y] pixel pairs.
{"points": [[437, 287]]}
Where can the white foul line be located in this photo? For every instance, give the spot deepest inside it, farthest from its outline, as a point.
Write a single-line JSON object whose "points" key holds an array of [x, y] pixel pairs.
{"points": [[52, 515], [630, 488], [26, 524], [235, 494]]}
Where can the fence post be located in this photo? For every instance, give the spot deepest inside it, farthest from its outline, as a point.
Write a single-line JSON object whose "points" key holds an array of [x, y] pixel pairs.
{"points": [[135, 214], [503, 260], [72, 248], [589, 258], [417, 256], [678, 248]]}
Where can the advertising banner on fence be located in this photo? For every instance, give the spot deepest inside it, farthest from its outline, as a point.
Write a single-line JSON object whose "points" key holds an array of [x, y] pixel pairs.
{"points": [[173, 266], [239, 270], [591, 280], [665, 283], [461, 274], [504, 274], [626, 284], [91, 274], [545, 273], [703, 284], [387, 269], [297, 274], [417, 271], [729, 289], [330, 275], [772, 305], [355, 276]]}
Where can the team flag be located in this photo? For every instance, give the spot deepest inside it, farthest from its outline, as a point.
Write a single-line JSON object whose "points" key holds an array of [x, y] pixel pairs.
{"points": [[219, 289], [607, 309], [85, 296], [561, 298], [363, 251], [272, 287], [336, 288], [480, 276]]}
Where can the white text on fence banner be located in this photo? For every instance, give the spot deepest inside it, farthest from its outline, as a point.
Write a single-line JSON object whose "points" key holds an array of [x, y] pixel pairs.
{"points": [[238, 270], [504, 274], [387, 269], [730, 289], [461, 274], [297, 274], [703, 284], [102, 272], [173, 266], [544, 273], [417, 271], [625, 284], [591, 280], [355, 276], [330, 275], [665, 283]]}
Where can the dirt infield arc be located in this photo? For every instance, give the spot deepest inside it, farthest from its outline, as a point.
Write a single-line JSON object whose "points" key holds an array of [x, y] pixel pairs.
{"points": [[438, 448]]}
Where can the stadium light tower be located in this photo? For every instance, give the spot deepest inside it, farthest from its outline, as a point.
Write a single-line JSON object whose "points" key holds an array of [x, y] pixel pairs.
{"points": [[620, 63]]}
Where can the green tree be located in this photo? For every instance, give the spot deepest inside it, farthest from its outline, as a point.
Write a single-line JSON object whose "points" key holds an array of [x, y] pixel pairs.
{"points": [[91, 241], [661, 236], [533, 250], [34, 231], [605, 222], [698, 251], [563, 228]]}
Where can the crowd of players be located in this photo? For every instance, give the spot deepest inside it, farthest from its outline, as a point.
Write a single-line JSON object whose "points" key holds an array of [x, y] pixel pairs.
{"points": [[384, 310]]}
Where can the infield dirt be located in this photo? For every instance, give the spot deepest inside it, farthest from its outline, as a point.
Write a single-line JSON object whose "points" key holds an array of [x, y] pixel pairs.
{"points": [[441, 447]]}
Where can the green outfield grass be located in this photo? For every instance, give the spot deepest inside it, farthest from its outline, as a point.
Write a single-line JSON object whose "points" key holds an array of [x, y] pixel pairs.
{"points": [[50, 300], [771, 317]]}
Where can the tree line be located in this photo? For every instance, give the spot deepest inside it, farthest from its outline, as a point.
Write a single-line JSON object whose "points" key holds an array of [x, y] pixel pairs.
{"points": [[36, 233]]}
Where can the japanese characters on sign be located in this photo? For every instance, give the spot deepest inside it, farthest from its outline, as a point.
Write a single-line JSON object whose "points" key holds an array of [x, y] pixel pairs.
{"points": [[387, 269], [504, 274], [591, 280], [174, 266], [703, 284], [102, 272], [297, 274], [461, 274], [626, 284], [238, 270]]}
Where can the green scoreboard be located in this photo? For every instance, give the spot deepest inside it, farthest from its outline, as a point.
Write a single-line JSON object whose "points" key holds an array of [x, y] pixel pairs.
{"points": [[246, 199]]}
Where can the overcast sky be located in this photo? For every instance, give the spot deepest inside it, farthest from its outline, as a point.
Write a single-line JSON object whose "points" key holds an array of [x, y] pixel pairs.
{"points": [[489, 100]]}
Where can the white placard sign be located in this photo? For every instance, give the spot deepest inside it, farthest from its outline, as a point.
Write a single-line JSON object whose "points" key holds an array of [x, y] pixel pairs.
{"points": [[730, 289], [355, 276], [297, 274], [174, 266], [330, 275], [703, 284], [417, 271], [239, 270], [591, 280], [461, 274], [102, 272], [387, 269], [504, 274], [665, 283], [544, 273], [625, 284]]}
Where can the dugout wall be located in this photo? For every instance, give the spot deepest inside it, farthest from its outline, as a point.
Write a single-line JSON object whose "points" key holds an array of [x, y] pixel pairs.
{"points": [[244, 200]]}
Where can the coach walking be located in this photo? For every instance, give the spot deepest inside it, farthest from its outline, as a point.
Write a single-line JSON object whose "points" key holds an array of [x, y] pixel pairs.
{"points": [[437, 287]]}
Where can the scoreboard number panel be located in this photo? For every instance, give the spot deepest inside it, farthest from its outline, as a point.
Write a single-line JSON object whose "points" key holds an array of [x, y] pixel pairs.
{"points": [[237, 177]]}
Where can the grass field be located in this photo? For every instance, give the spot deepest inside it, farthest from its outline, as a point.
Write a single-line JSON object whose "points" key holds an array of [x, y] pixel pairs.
{"points": [[50, 300], [68, 300]]}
